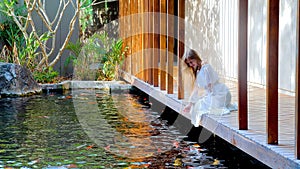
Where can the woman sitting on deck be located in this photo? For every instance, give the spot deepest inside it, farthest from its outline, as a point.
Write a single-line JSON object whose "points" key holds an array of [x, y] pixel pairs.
{"points": [[216, 98]]}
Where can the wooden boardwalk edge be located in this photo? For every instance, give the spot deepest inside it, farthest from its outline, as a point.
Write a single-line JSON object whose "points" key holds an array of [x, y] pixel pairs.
{"points": [[261, 151], [242, 139]]}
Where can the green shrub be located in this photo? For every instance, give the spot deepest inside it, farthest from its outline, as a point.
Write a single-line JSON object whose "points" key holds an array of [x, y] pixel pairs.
{"points": [[46, 75], [98, 59]]}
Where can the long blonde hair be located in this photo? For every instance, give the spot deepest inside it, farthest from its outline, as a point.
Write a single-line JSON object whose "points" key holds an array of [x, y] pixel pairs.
{"points": [[192, 54]]}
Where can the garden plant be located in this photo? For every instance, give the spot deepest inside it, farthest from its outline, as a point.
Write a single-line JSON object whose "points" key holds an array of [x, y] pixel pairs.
{"points": [[24, 44]]}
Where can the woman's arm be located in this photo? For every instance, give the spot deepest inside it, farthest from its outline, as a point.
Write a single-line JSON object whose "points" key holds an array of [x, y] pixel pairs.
{"points": [[210, 77], [194, 95], [192, 99]]}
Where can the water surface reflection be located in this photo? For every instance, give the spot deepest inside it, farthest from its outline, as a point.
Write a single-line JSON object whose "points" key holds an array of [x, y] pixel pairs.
{"points": [[91, 129]]}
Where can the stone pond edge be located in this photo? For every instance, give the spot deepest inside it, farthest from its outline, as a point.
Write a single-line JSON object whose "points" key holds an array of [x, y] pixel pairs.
{"points": [[112, 86]]}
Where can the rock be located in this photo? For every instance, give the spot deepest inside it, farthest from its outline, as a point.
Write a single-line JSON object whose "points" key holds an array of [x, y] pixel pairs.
{"points": [[15, 80]]}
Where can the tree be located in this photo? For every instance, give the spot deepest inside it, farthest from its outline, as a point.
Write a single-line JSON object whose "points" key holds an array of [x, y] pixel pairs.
{"points": [[45, 40]]}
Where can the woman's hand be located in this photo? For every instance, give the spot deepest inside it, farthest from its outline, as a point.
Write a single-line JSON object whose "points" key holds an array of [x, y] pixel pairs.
{"points": [[187, 108]]}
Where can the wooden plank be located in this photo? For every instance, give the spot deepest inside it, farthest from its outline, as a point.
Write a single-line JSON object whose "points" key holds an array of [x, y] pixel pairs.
{"points": [[127, 33], [242, 65], [151, 42], [156, 44], [145, 39], [297, 109], [133, 30], [181, 34], [126, 29], [140, 39], [163, 43], [170, 55], [272, 71], [121, 30], [142, 12]]}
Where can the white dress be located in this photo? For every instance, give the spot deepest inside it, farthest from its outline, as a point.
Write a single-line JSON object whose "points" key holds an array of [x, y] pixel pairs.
{"points": [[216, 98]]}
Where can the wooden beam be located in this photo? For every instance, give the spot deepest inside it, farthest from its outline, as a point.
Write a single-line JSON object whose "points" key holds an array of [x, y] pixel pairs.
{"points": [[127, 33], [272, 71], [297, 103], [140, 39], [163, 43], [242, 65], [145, 39], [156, 44], [181, 34], [121, 30], [151, 41], [133, 30], [170, 55], [142, 15]]}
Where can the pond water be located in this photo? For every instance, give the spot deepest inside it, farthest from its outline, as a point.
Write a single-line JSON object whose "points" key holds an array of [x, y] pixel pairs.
{"points": [[93, 129]]}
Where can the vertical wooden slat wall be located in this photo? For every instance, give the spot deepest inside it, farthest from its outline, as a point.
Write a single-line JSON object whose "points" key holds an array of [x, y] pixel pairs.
{"points": [[156, 44], [163, 43], [170, 54], [272, 71], [297, 97], [242, 65], [180, 53], [148, 31]]}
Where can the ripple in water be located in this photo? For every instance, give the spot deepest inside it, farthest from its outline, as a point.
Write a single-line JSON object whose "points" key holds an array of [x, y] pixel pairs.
{"points": [[92, 129]]}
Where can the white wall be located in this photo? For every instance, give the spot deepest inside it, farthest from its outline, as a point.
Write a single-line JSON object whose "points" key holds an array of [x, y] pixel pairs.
{"points": [[212, 30]]}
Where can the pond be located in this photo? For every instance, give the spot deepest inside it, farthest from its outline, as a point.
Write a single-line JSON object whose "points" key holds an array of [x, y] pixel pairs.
{"points": [[94, 129]]}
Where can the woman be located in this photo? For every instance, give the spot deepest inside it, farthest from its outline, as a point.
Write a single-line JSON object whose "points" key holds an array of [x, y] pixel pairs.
{"points": [[216, 98]]}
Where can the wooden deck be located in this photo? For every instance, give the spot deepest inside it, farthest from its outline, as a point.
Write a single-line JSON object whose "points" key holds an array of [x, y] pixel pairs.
{"points": [[252, 141]]}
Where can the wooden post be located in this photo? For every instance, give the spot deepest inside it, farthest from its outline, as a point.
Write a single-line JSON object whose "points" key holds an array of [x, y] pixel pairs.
{"points": [[297, 108], [181, 34], [151, 37], [145, 39], [133, 30], [163, 43], [128, 38], [170, 55], [142, 34], [121, 30], [156, 44], [272, 71], [242, 65], [140, 39]]}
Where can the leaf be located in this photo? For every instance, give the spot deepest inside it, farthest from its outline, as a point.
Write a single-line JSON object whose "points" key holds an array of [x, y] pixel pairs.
{"points": [[92, 102], [196, 145], [72, 166], [90, 146], [68, 97], [216, 162], [79, 147], [107, 148], [178, 162], [34, 162], [176, 144]]}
